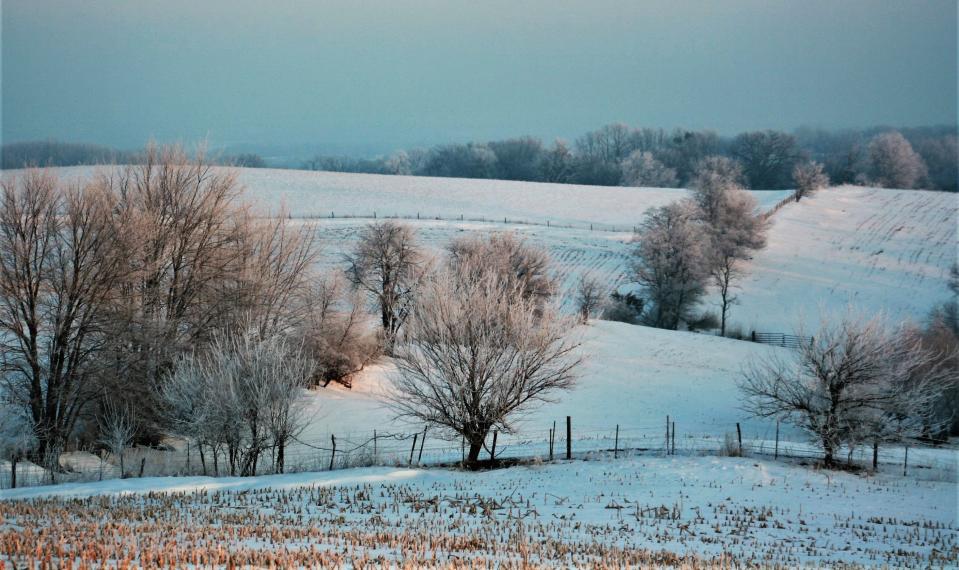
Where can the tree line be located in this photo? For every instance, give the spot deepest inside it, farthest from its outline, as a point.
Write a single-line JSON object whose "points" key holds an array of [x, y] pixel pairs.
{"points": [[617, 154]]}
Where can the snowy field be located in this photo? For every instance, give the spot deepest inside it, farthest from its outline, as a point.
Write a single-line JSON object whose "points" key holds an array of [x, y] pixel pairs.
{"points": [[317, 194], [869, 248], [702, 512]]}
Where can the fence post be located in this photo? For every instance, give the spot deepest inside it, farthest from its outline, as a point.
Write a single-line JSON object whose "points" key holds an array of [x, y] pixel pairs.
{"points": [[752, 336], [374, 444], [143, 464], [569, 437], [673, 452], [419, 458], [776, 456], [616, 444], [187, 458], [739, 436], [552, 440], [492, 451], [462, 450], [875, 455], [412, 449], [905, 462], [667, 435], [332, 453]]}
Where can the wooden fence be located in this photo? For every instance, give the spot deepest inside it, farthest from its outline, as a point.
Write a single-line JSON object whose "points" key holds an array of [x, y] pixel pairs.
{"points": [[781, 339]]}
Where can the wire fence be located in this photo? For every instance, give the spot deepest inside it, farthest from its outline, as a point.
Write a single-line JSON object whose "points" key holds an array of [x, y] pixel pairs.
{"points": [[592, 226], [424, 448]]}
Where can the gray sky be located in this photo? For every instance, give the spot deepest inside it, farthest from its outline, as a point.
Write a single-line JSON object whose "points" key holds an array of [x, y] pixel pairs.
{"points": [[382, 74]]}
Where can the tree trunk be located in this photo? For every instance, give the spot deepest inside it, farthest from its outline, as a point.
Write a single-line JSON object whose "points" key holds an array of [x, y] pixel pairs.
{"points": [[475, 448], [875, 455], [280, 447], [13, 472]]}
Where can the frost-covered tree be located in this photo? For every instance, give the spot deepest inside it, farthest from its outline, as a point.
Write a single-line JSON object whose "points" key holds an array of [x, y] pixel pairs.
{"points": [[241, 394], [731, 222], [713, 178], [387, 264], [671, 263], [476, 352], [893, 163], [642, 169], [809, 177], [738, 230], [117, 425], [518, 264], [590, 295], [856, 381], [17, 438], [398, 163]]}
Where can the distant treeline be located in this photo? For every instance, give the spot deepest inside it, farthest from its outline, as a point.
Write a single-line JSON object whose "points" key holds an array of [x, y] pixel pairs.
{"points": [[616, 154], [613, 155], [56, 153]]}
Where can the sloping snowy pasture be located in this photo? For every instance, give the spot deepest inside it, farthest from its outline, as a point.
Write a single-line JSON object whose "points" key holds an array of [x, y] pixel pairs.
{"points": [[639, 511], [870, 248]]}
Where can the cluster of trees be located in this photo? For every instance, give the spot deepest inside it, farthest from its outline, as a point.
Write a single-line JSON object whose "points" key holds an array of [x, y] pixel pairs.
{"points": [[620, 155], [57, 153], [154, 274], [150, 302], [475, 334], [684, 247]]}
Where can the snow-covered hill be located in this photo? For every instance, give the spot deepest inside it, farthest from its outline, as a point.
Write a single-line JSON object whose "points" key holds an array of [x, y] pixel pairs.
{"points": [[876, 250]]}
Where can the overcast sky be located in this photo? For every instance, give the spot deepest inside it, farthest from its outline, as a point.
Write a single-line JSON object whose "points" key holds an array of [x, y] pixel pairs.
{"points": [[382, 74]]}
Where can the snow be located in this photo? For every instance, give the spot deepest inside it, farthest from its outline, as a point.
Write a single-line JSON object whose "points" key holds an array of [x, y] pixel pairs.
{"points": [[743, 508], [871, 249], [317, 194]]}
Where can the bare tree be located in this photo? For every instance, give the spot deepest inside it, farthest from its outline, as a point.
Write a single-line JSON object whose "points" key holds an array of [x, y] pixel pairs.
{"points": [[590, 294], [117, 425], [670, 263], [855, 381], [556, 163], [809, 177], [519, 264], [768, 158], [337, 333], [893, 162], [475, 354], [387, 264], [59, 273], [642, 169]]}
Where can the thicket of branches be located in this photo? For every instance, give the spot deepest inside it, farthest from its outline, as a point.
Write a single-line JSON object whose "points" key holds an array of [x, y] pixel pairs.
{"points": [[856, 383], [106, 286], [480, 347]]}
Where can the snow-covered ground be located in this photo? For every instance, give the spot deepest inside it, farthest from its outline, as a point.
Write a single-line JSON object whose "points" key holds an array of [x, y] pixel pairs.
{"points": [[634, 511], [868, 248], [318, 194]]}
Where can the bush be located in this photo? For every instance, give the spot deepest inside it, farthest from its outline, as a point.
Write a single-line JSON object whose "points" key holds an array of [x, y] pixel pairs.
{"points": [[730, 446], [706, 321], [624, 308]]}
